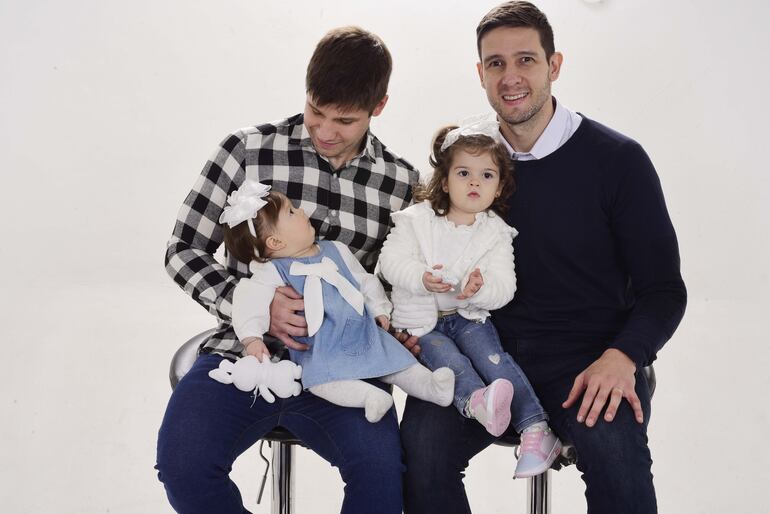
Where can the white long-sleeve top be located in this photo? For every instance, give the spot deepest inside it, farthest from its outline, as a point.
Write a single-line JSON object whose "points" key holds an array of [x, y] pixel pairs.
{"points": [[409, 251], [253, 295]]}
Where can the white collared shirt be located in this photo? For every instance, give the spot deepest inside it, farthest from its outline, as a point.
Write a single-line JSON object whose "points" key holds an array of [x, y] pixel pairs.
{"points": [[563, 124]]}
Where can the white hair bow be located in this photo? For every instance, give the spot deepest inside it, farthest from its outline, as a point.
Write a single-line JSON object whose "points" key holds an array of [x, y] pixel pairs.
{"points": [[244, 203], [480, 125]]}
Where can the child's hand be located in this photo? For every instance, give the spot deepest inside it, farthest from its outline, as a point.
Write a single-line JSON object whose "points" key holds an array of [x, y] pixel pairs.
{"points": [[256, 347], [383, 321], [475, 281], [435, 284]]}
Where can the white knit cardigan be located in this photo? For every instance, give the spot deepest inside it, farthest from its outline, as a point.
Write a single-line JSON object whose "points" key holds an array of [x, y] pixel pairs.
{"points": [[408, 252]]}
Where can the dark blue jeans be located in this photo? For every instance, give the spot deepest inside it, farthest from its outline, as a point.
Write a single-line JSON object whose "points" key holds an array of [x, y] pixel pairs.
{"points": [[613, 457], [208, 425], [473, 351]]}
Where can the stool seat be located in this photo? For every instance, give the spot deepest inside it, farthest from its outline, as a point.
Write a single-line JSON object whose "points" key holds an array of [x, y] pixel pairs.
{"points": [[282, 435], [185, 356]]}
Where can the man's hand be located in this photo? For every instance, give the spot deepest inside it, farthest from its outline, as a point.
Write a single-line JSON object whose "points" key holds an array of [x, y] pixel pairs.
{"points": [[285, 323], [435, 284], [475, 281], [410, 342], [610, 377], [383, 321]]}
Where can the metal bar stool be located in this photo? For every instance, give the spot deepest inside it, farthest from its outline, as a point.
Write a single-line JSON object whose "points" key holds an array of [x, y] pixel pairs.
{"points": [[281, 440]]}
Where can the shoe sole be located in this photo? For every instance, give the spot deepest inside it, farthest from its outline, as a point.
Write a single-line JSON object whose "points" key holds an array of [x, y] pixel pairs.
{"points": [[499, 403]]}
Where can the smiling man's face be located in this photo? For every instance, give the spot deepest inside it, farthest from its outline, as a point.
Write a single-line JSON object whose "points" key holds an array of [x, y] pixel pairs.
{"points": [[516, 75], [337, 133]]}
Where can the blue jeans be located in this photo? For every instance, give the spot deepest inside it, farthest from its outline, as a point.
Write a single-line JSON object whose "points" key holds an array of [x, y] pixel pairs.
{"points": [[473, 351], [208, 425], [613, 457]]}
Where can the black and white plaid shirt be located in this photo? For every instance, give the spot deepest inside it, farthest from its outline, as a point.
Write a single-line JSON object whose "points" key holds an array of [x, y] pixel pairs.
{"points": [[351, 205]]}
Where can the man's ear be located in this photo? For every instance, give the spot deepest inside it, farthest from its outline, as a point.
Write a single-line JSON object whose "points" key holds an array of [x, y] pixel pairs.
{"points": [[380, 106], [554, 65], [274, 244]]}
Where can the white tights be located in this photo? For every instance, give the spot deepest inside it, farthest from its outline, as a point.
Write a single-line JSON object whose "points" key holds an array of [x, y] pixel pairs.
{"points": [[417, 380]]}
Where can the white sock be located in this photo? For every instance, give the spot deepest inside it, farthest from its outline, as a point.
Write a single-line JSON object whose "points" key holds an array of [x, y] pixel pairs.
{"points": [[540, 425], [356, 393], [437, 387]]}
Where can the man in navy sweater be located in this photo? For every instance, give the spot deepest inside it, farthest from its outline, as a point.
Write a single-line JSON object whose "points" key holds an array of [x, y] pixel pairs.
{"points": [[599, 287]]}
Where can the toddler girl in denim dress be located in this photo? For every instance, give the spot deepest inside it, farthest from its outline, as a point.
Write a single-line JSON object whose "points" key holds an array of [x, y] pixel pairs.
{"points": [[343, 306]]}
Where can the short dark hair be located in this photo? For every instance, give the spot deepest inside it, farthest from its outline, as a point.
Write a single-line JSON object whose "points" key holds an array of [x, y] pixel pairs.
{"points": [[517, 14], [350, 68], [441, 162], [238, 239]]}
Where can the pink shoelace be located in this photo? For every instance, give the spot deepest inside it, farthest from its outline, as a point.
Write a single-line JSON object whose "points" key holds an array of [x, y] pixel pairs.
{"points": [[531, 442]]}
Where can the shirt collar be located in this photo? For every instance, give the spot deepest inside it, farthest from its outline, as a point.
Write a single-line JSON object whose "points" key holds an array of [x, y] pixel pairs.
{"points": [[479, 219], [301, 137], [555, 134]]}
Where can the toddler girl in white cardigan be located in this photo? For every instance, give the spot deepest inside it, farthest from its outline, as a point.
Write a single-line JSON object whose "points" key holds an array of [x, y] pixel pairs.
{"points": [[450, 261]]}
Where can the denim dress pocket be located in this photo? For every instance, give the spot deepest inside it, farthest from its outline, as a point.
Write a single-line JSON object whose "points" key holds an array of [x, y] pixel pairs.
{"points": [[355, 338]]}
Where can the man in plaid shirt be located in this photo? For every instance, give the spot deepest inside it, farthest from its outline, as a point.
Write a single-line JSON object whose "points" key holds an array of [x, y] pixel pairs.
{"points": [[329, 164]]}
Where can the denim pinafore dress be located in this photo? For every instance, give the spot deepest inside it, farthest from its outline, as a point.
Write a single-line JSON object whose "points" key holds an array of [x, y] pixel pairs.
{"points": [[347, 345]]}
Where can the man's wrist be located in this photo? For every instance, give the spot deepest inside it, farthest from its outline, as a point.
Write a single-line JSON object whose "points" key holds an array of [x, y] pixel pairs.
{"points": [[620, 356]]}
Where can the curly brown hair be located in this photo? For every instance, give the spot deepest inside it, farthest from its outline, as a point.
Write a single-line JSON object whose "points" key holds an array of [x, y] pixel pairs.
{"points": [[441, 162], [241, 244]]}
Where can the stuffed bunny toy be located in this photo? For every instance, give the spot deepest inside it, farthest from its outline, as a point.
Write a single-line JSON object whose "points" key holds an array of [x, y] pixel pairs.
{"points": [[248, 374]]}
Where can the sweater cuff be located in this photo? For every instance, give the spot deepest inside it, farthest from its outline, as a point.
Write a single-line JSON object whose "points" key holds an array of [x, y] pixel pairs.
{"points": [[634, 350]]}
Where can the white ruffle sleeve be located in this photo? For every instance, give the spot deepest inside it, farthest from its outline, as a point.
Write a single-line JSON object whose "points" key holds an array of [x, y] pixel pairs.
{"points": [[252, 298]]}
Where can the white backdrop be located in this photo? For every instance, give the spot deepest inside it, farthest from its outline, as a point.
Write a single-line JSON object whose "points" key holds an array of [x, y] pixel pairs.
{"points": [[109, 109]]}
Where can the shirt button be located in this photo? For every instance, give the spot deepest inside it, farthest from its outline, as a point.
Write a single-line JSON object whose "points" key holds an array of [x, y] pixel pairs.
{"points": [[333, 212]]}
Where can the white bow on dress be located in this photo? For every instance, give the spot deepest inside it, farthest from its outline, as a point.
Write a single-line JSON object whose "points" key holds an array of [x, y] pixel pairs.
{"points": [[314, 303]]}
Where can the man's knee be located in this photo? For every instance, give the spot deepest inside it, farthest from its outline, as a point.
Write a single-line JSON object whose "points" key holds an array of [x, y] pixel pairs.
{"points": [[184, 463], [614, 457]]}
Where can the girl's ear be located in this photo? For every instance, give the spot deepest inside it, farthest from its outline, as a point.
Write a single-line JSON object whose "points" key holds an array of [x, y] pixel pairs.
{"points": [[274, 244], [444, 186]]}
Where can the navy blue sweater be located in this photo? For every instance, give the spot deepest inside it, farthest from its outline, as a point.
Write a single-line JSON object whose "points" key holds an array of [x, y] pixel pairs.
{"points": [[596, 257]]}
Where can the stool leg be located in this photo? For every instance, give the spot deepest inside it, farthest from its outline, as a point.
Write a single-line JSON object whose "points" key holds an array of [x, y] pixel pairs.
{"points": [[283, 478], [539, 493]]}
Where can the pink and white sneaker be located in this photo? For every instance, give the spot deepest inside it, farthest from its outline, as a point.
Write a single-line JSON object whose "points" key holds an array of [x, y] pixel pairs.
{"points": [[491, 406], [539, 448]]}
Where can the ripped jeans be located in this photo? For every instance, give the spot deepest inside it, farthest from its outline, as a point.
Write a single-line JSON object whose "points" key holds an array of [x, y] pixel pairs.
{"points": [[473, 351]]}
